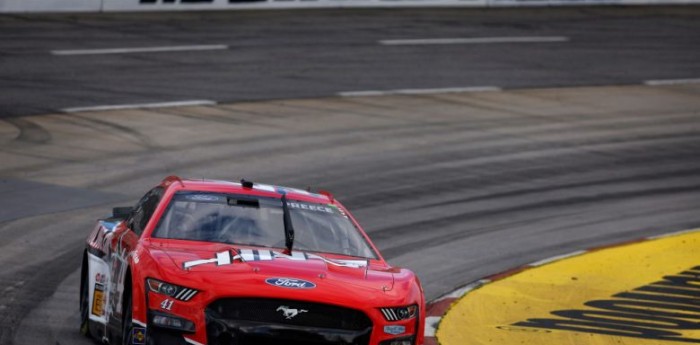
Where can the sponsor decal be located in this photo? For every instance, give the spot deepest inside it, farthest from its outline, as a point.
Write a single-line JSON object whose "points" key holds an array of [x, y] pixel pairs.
{"points": [[290, 283], [138, 336], [290, 313], [204, 197], [310, 207], [249, 255], [98, 298], [394, 330], [100, 278], [662, 310]]}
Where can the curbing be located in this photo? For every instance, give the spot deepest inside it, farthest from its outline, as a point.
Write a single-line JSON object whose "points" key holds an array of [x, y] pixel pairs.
{"points": [[438, 307]]}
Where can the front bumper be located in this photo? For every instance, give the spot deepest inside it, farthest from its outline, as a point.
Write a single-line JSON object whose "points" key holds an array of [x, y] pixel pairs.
{"points": [[255, 333], [263, 321], [243, 321]]}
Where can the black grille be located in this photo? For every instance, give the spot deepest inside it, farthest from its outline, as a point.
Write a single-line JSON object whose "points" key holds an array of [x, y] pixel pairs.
{"points": [[267, 321], [272, 311]]}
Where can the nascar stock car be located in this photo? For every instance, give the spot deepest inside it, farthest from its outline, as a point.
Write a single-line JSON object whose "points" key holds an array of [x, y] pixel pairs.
{"points": [[224, 263]]}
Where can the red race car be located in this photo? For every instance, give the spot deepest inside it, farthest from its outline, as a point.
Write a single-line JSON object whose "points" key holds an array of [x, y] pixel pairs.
{"points": [[224, 263]]}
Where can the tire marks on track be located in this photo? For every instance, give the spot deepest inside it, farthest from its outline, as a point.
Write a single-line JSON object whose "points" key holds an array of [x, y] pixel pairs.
{"points": [[29, 132], [453, 186], [33, 285]]}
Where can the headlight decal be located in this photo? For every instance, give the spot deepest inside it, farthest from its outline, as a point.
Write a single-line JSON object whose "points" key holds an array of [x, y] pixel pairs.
{"points": [[400, 313], [178, 292], [389, 314], [186, 294]]}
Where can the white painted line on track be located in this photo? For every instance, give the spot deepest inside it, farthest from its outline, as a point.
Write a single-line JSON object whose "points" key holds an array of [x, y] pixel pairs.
{"points": [[139, 106], [672, 82], [418, 91], [139, 50], [556, 258], [431, 323], [474, 40]]}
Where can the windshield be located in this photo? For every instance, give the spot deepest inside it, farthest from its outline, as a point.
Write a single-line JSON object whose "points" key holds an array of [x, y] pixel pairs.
{"points": [[254, 221]]}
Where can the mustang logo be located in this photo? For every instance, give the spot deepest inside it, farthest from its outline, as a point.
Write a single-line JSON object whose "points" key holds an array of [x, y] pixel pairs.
{"points": [[290, 313]]}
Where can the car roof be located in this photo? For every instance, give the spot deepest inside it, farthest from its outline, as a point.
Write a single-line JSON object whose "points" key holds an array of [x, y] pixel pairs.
{"points": [[259, 189]]}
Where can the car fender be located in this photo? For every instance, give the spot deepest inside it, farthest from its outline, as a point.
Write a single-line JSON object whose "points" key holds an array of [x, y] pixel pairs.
{"points": [[98, 270], [139, 294]]}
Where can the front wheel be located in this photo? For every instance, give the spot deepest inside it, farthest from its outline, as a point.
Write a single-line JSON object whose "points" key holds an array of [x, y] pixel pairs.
{"points": [[127, 325]]}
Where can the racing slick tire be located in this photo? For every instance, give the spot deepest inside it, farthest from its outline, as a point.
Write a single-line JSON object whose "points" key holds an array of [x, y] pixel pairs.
{"points": [[84, 303], [127, 325]]}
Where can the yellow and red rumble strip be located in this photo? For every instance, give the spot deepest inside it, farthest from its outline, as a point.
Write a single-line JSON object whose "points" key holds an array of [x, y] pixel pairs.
{"points": [[644, 291]]}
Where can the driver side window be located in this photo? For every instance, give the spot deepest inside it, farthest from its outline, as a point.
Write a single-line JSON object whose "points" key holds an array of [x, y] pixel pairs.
{"points": [[144, 209]]}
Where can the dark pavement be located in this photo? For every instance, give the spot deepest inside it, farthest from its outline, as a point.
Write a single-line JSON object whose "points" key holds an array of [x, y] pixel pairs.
{"points": [[312, 53]]}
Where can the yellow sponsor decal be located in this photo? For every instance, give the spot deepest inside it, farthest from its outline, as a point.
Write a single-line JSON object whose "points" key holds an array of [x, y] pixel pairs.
{"points": [[643, 293], [139, 335], [98, 300]]}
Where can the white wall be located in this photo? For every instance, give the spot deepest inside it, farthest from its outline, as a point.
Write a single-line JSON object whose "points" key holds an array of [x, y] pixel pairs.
{"points": [[184, 5], [135, 5], [50, 5]]}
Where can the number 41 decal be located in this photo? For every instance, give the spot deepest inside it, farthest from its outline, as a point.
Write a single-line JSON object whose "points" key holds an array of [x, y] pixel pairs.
{"points": [[167, 304]]}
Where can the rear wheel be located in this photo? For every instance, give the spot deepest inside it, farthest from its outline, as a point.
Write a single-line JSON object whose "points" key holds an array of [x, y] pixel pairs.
{"points": [[84, 303]]}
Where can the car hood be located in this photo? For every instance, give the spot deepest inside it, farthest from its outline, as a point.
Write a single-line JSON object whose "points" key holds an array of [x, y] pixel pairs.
{"points": [[226, 264]]}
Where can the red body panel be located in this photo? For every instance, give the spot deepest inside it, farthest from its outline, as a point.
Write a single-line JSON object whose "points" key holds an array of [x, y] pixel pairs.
{"points": [[134, 258]]}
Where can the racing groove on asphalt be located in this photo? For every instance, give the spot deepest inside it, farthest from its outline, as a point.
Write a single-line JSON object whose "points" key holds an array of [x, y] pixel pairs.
{"points": [[453, 186]]}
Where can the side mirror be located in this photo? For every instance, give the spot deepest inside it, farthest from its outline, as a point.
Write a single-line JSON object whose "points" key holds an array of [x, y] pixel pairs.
{"points": [[122, 212]]}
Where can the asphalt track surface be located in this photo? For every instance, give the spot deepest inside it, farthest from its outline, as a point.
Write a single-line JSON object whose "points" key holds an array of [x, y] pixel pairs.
{"points": [[299, 54], [453, 186]]}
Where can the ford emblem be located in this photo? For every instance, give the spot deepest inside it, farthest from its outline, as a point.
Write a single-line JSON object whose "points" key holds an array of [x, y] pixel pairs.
{"points": [[290, 283], [394, 330]]}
